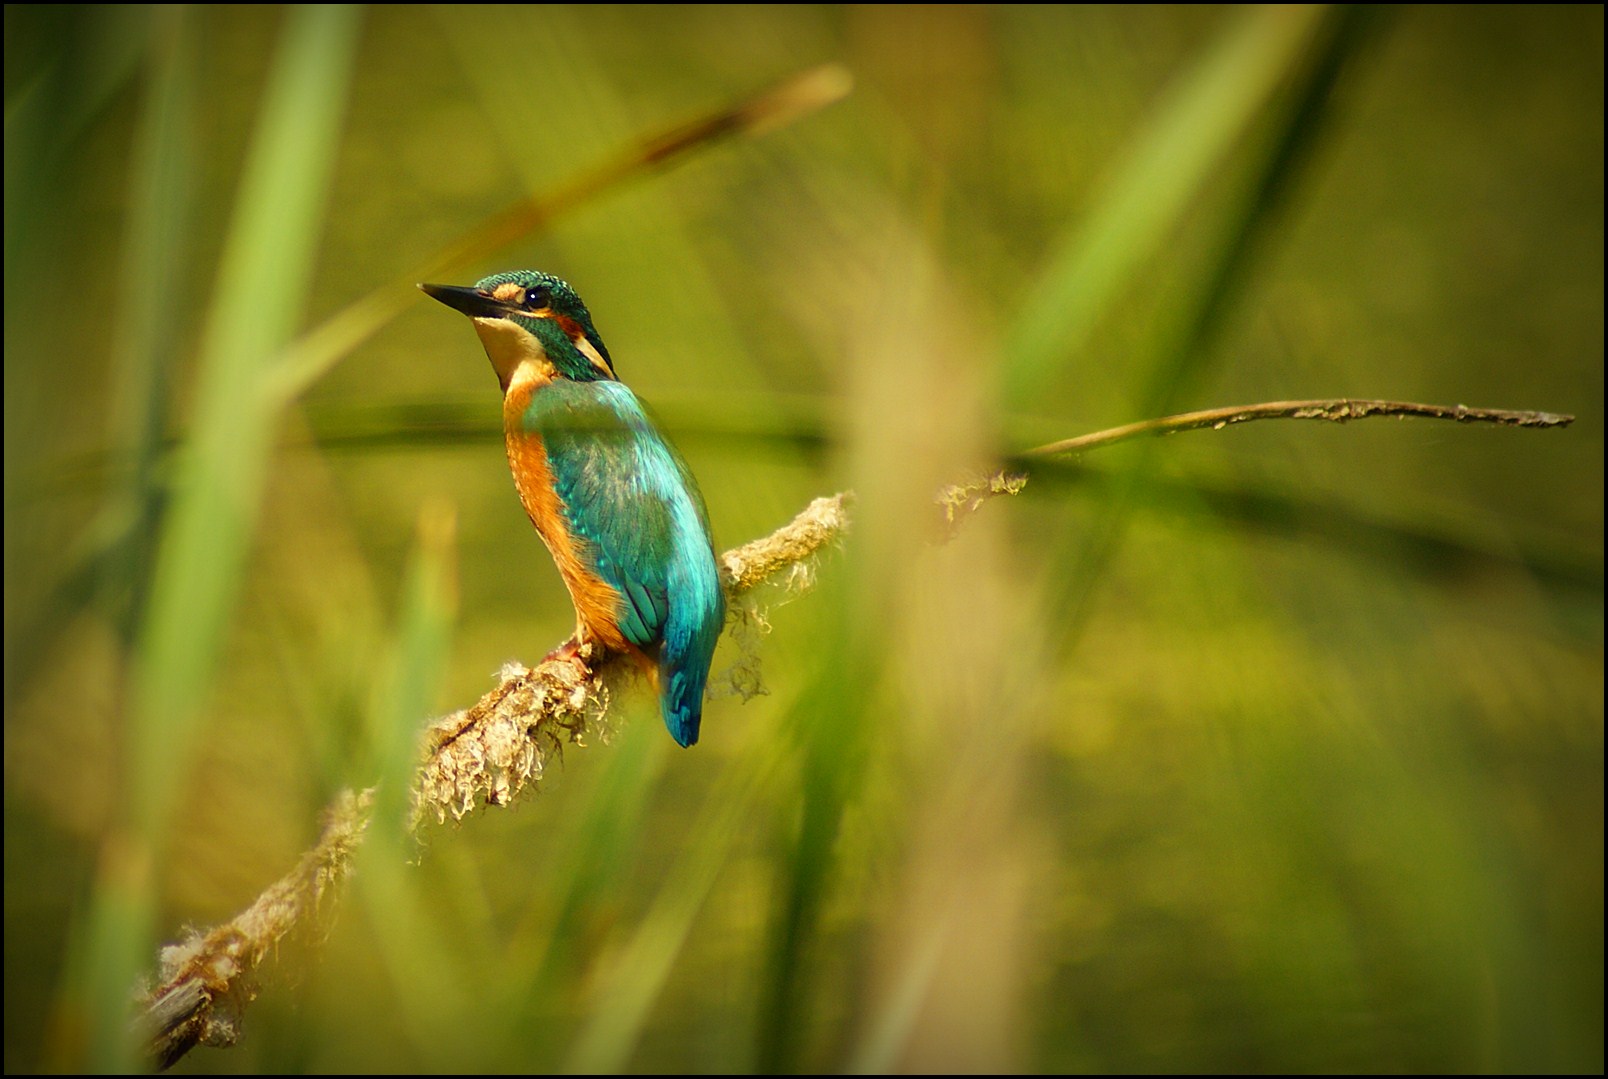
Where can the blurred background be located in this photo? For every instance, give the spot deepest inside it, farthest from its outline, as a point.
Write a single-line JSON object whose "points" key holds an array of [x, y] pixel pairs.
{"points": [[1276, 748]]}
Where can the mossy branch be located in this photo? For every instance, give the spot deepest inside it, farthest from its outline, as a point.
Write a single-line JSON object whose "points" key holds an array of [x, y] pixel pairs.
{"points": [[486, 753], [489, 752]]}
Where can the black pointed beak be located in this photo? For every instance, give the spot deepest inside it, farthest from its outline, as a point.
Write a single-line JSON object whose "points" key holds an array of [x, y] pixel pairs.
{"points": [[470, 301]]}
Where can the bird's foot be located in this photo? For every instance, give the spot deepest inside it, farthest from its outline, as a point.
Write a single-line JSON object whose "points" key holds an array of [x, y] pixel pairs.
{"points": [[571, 651]]}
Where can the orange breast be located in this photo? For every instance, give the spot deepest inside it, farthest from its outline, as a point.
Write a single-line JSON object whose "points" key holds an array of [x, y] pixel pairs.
{"points": [[596, 601]]}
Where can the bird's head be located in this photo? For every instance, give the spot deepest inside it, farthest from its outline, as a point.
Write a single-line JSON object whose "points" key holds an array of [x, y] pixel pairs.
{"points": [[530, 319]]}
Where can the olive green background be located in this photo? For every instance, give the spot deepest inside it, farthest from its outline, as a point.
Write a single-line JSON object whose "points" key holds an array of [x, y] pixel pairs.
{"points": [[1276, 748]]}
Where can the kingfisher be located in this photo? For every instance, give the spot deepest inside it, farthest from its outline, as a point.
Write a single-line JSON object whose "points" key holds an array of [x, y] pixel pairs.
{"points": [[613, 501]]}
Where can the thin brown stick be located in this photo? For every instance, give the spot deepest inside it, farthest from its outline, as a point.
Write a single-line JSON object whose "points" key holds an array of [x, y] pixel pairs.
{"points": [[1335, 410], [310, 357], [960, 500], [488, 753]]}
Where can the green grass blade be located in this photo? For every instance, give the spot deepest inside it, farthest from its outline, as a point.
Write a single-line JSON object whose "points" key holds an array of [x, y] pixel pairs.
{"points": [[833, 724], [1146, 195], [262, 282], [114, 555], [630, 984], [423, 641], [99, 49], [430, 983], [263, 279], [1180, 348], [153, 271]]}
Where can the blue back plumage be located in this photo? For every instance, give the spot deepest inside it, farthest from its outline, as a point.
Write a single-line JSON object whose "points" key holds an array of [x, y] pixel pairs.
{"points": [[632, 501]]}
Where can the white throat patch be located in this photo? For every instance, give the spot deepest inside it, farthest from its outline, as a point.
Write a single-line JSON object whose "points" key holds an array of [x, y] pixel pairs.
{"points": [[511, 348]]}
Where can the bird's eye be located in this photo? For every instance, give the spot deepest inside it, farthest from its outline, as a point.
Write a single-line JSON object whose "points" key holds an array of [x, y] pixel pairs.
{"points": [[535, 298]]}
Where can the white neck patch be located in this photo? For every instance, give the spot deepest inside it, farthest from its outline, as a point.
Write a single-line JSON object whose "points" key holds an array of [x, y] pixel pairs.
{"points": [[510, 348]]}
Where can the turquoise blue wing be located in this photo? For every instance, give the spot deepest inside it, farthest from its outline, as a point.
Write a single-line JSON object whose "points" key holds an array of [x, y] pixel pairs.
{"points": [[630, 499]]}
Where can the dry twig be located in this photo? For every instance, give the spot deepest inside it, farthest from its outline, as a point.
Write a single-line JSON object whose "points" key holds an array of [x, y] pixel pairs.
{"points": [[959, 500]]}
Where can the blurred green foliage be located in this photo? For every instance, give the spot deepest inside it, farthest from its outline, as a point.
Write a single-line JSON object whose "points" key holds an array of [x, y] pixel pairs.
{"points": [[1272, 749]]}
